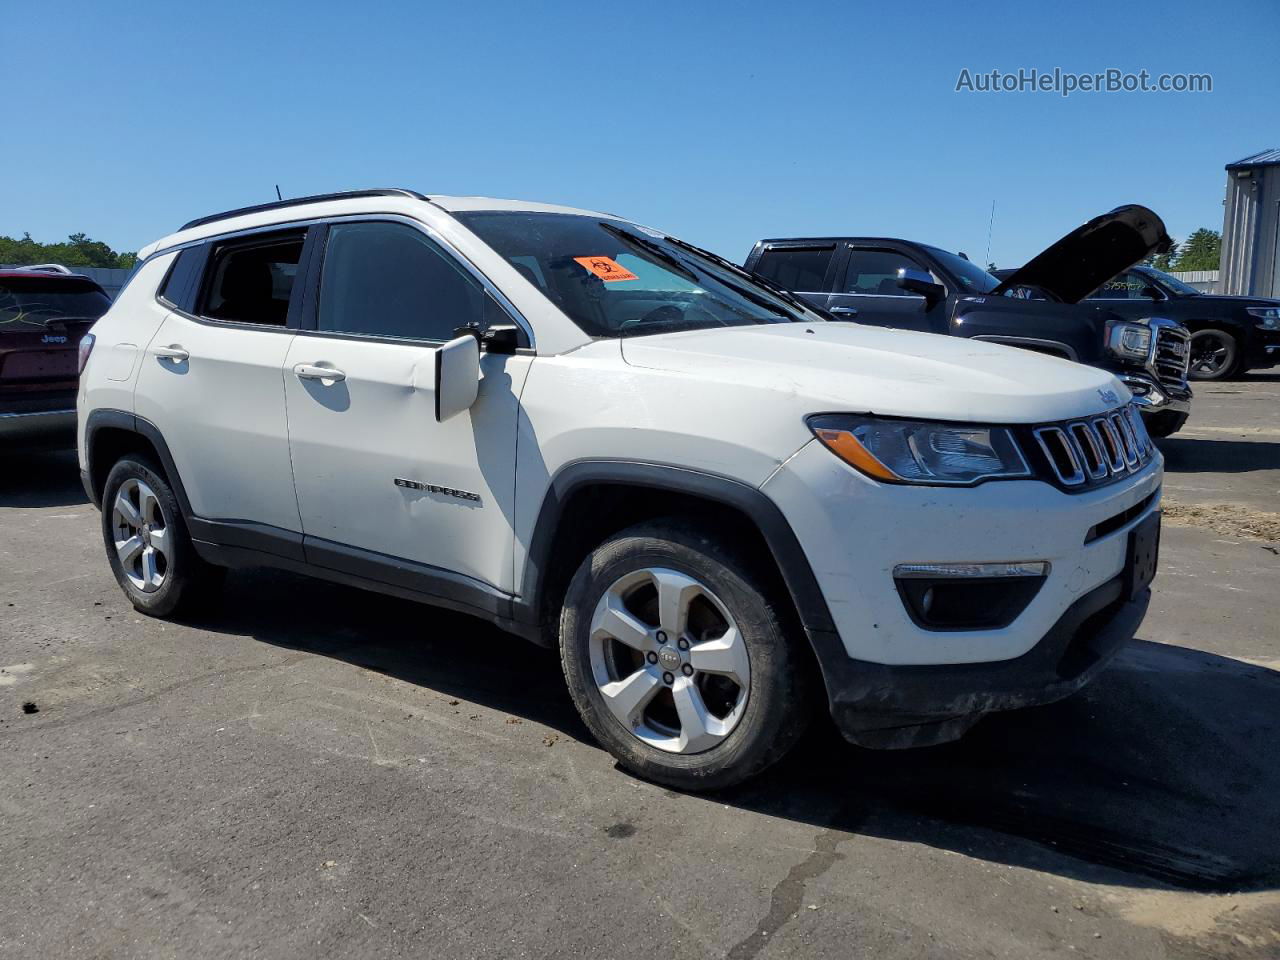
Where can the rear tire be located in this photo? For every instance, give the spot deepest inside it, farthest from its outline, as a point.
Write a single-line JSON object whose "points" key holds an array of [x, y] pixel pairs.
{"points": [[677, 653], [1215, 355], [148, 545]]}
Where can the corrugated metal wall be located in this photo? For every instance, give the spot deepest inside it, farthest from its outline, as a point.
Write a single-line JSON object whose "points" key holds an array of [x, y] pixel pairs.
{"points": [[1206, 281], [1251, 231], [109, 278]]}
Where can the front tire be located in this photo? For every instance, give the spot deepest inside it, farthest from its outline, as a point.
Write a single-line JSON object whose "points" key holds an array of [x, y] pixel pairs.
{"points": [[1215, 355], [676, 653], [148, 545]]}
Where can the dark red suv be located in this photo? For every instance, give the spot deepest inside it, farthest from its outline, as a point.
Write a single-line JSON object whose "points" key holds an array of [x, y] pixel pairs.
{"points": [[44, 314]]}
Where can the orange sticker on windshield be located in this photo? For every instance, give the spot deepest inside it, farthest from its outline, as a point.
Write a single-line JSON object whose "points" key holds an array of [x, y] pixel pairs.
{"points": [[610, 271]]}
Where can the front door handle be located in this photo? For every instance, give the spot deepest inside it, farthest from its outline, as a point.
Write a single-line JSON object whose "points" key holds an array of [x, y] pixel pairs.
{"points": [[844, 311], [172, 352], [314, 371]]}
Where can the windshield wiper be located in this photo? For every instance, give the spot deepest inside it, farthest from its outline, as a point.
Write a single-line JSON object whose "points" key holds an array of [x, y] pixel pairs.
{"points": [[656, 250], [667, 257], [780, 292]]}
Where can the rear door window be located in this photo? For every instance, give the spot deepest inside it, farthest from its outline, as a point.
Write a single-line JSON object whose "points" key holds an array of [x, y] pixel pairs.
{"points": [[801, 269], [250, 280]]}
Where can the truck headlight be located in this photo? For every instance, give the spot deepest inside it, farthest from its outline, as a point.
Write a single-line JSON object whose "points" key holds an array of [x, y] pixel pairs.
{"points": [[914, 451], [1128, 341], [1268, 317]]}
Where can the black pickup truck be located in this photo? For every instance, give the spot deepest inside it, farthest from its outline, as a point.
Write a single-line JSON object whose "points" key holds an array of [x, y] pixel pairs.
{"points": [[891, 282]]}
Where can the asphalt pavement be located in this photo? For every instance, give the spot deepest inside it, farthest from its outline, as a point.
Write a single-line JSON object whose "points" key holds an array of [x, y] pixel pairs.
{"points": [[310, 770]]}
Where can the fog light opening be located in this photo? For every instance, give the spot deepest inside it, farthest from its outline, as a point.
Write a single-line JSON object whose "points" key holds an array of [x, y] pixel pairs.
{"points": [[968, 596]]}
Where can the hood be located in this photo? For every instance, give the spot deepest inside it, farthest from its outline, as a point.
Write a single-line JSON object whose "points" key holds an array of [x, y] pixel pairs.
{"points": [[849, 368], [1092, 254], [1240, 301]]}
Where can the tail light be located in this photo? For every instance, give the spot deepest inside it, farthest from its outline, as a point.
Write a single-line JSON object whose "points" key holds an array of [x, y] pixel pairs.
{"points": [[86, 348]]}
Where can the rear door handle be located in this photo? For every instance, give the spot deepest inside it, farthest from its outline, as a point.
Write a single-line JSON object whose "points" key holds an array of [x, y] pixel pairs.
{"points": [[844, 311], [314, 371], [172, 352]]}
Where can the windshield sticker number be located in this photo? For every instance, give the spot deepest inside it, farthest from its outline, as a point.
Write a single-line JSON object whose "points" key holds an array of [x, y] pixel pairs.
{"points": [[610, 271]]}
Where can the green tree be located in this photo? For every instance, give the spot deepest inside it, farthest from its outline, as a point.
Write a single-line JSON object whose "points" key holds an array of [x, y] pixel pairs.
{"points": [[1202, 251], [1163, 261], [77, 251]]}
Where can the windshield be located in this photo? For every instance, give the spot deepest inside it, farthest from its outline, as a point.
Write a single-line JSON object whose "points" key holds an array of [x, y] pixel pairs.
{"points": [[37, 299], [974, 278], [1173, 283], [615, 280]]}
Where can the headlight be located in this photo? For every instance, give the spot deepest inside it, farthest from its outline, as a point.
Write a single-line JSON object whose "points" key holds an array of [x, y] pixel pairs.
{"points": [[911, 451], [1269, 317], [1129, 341]]}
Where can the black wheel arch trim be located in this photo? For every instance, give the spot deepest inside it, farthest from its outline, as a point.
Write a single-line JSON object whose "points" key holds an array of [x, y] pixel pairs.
{"points": [[123, 420], [786, 551]]}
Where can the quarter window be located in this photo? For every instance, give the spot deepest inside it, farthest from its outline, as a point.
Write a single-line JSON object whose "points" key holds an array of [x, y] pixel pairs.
{"points": [[796, 268], [876, 272], [178, 285], [391, 280], [250, 281]]}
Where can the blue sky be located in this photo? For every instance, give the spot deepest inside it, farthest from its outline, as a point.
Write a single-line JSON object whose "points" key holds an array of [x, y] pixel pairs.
{"points": [[720, 122]]}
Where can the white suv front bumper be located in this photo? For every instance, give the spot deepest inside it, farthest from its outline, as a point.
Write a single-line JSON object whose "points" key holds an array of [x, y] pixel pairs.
{"points": [[855, 531]]}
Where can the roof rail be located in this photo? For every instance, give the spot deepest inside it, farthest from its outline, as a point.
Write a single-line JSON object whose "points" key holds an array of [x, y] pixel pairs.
{"points": [[317, 198], [47, 268]]}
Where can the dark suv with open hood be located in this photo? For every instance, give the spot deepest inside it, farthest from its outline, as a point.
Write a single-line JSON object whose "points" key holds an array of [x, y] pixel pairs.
{"points": [[900, 283], [45, 312]]}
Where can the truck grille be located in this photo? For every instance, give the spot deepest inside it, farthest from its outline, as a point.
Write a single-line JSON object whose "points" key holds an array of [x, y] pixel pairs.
{"points": [[1097, 450], [1172, 354]]}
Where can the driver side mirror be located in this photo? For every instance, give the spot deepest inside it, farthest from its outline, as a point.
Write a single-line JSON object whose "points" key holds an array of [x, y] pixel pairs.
{"points": [[922, 283], [457, 376], [1152, 292]]}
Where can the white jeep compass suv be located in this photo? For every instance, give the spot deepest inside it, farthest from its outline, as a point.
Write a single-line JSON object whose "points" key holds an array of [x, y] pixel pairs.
{"points": [[718, 504]]}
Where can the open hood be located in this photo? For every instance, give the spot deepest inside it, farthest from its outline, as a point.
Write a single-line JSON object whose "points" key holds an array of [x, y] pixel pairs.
{"points": [[1092, 254]]}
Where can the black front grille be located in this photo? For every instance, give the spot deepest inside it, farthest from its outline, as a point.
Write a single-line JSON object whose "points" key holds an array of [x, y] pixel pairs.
{"points": [[1172, 354], [1086, 453]]}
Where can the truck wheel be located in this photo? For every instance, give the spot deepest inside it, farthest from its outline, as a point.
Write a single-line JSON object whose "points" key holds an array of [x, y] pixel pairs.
{"points": [[1215, 355], [148, 545], [676, 655]]}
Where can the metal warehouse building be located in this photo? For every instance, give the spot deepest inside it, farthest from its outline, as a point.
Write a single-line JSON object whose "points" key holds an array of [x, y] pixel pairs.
{"points": [[1251, 227]]}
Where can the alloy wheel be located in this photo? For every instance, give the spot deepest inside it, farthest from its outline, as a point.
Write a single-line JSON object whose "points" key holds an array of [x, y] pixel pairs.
{"points": [[141, 535], [1210, 353], [669, 660]]}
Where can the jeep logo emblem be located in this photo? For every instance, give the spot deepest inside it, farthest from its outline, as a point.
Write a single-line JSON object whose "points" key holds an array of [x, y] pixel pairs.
{"points": [[1108, 396]]}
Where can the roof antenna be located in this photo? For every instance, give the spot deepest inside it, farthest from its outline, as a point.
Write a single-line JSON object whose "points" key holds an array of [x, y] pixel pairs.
{"points": [[990, 223], [278, 197]]}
